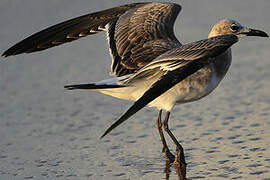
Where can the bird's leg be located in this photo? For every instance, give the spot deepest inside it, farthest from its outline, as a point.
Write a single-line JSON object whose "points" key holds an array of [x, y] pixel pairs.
{"points": [[180, 151], [165, 149], [167, 170], [180, 171]]}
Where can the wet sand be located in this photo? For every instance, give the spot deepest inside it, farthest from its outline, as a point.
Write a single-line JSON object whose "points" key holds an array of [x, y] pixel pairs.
{"points": [[50, 133]]}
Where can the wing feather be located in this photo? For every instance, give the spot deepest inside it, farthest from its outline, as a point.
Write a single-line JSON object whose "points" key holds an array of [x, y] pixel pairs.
{"points": [[69, 30], [141, 32], [137, 34]]}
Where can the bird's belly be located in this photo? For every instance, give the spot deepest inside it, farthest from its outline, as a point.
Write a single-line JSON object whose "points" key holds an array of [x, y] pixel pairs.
{"points": [[195, 87]]}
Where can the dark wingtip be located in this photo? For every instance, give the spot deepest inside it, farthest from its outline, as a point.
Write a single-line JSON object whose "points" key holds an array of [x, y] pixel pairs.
{"points": [[106, 132], [10, 52], [118, 122], [5, 54], [69, 87]]}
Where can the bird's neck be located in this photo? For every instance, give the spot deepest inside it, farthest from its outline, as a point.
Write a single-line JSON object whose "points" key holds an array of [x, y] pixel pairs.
{"points": [[222, 63]]}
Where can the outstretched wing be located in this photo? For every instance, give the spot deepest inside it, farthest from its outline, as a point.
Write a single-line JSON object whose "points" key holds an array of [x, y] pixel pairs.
{"points": [[141, 35], [69, 30], [137, 34], [178, 64]]}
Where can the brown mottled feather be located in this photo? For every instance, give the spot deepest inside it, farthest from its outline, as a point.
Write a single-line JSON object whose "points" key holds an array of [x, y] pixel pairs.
{"points": [[146, 32], [137, 34], [69, 30]]}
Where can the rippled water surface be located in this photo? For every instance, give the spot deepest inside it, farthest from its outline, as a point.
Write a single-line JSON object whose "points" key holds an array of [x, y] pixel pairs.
{"points": [[49, 133]]}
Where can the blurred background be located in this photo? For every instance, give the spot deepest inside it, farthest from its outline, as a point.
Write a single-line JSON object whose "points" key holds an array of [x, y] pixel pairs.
{"points": [[50, 133]]}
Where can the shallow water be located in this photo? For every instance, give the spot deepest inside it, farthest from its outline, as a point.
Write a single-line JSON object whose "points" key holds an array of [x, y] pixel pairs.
{"points": [[49, 133]]}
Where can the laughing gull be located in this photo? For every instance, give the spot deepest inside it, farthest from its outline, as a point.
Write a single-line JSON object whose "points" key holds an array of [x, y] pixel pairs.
{"points": [[151, 67]]}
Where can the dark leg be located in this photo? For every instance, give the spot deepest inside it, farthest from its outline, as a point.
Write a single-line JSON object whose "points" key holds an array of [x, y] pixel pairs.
{"points": [[178, 171], [165, 149], [167, 170], [180, 151]]}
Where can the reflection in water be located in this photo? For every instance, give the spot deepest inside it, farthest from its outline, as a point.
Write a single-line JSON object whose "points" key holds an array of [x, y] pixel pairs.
{"points": [[167, 169], [179, 170]]}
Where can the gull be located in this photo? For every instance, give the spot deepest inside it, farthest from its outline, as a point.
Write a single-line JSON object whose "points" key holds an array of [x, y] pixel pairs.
{"points": [[150, 66]]}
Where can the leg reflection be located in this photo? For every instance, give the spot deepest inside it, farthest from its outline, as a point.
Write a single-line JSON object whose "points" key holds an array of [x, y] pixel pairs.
{"points": [[167, 170], [178, 171]]}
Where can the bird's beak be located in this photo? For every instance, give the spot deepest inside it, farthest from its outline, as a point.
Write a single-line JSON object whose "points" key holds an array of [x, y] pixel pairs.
{"points": [[253, 32]]}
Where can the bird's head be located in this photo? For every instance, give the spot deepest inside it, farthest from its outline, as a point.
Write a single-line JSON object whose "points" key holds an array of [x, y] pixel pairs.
{"points": [[227, 26]]}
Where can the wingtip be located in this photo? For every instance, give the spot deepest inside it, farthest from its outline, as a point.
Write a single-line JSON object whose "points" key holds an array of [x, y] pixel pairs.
{"points": [[69, 87], [101, 137], [4, 55], [8, 53], [105, 133]]}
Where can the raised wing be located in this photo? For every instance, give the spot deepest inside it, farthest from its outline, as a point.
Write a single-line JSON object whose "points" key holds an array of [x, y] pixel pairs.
{"points": [[177, 64], [138, 33], [142, 34], [69, 30]]}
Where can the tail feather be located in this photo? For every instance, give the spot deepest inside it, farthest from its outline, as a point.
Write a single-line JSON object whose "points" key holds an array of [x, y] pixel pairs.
{"points": [[92, 86]]}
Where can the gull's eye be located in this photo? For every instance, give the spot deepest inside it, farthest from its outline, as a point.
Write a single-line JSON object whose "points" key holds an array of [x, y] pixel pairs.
{"points": [[234, 27]]}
